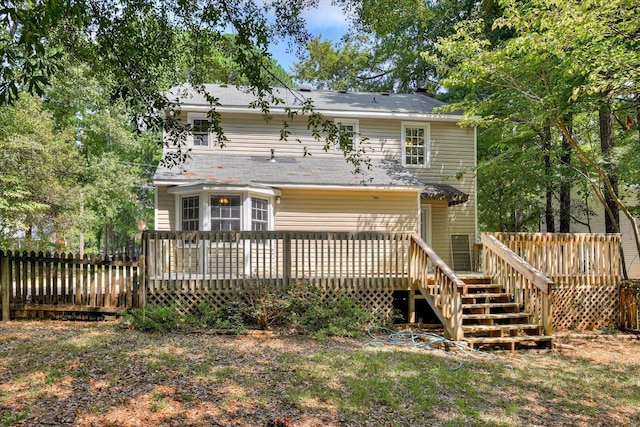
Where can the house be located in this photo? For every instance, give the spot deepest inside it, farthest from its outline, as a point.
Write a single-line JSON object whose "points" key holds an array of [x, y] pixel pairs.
{"points": [[259, 182]]}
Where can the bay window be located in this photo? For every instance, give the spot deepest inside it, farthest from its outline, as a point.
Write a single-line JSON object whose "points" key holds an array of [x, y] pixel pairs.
{"points": [[211, 210]]}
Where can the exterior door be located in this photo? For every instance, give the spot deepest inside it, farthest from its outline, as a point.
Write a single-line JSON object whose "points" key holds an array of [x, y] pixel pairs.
{"points": [[425, 223]]}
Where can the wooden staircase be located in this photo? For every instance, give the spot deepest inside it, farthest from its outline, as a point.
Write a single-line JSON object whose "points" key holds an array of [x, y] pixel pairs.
{"points": [[490, 319]]}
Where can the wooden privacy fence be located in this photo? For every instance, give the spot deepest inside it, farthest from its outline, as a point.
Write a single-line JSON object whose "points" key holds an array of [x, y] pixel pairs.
{"points": [[33, 283], [187, 269], [585, 269], [629, 305]]}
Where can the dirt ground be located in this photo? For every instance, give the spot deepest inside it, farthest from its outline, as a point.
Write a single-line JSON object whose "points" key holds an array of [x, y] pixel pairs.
{"points": [[99, 374]]}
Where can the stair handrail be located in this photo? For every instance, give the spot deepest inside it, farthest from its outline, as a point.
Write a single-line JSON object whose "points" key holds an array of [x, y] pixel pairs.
{"points": [[506, 267], [447, 289]]}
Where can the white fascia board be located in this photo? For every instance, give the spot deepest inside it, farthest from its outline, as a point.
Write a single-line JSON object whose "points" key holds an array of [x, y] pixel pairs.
{"points": [[181, 189], [335, 113], [351, 187]]}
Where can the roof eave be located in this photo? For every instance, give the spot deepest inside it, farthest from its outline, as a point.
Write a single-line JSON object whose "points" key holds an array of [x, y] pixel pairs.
{"points": [[338, 113]]}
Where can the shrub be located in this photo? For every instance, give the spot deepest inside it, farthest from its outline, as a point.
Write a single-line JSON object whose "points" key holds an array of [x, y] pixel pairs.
{"points": [[300, 306], [267, 303], [154, 319], [343, 317]]}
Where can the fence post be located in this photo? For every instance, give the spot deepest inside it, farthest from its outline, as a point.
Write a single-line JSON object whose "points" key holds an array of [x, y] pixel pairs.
{"points": [[142, 271], [5, 286]]}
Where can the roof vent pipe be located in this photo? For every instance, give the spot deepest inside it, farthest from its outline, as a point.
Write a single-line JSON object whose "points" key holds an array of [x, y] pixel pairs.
{"points": [[273, 156]]}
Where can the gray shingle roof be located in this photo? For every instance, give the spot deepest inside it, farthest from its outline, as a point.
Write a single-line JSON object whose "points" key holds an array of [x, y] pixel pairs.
{"points": [[309, 171], [232, 96]]}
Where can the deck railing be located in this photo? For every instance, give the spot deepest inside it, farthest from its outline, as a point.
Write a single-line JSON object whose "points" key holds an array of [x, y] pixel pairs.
{"points": [[528, 286], [213, 261], [569, 258], [59, 282], [441, 287]]}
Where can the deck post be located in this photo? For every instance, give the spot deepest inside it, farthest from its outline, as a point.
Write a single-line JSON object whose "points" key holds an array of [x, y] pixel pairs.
{"points": [[547, 315], [412, 306], [5, 286]]}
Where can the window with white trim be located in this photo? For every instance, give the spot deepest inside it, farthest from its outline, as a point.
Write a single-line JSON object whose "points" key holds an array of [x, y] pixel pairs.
{"points": [[259, 214], [200, 132], [350, 130], [190, 213], [219, 210], [226, 212], [416, 145]]}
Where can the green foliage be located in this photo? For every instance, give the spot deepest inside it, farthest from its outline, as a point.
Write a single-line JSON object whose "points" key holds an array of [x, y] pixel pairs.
{"points": [[553, 68], [8, 419], [300, 307], [155, 319], [345, 317], [330, 67], [230, 316]]}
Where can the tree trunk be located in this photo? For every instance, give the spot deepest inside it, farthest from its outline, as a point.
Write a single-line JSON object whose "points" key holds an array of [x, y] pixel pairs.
{"points": [[546, 147], [607, 144], [565, 185], [638, 114]]}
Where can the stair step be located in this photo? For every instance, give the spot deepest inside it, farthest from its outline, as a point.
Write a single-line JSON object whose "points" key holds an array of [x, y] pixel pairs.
{"points": [[485, 287], [492, 305], [494, 316], [511, 342], [505, 327], [476, 280], [490, 295]]}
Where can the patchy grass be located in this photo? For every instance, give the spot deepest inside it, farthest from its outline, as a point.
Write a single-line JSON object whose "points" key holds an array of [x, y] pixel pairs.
{"points": [[57, 373]]}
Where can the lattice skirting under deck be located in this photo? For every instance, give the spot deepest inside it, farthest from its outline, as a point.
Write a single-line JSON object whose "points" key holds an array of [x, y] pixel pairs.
{"points": [[377, 302], [585, 307]]}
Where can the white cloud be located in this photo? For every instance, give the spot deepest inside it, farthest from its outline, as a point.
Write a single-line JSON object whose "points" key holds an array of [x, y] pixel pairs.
{"points": [[326, 18]]}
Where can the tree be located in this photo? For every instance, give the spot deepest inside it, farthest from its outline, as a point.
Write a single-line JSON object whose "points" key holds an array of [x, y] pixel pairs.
{"points": [[115, 163], [334, 68], [563, 60], [391, 34], [39, 167]]}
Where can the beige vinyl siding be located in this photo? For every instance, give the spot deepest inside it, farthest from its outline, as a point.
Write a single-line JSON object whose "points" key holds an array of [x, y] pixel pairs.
{"points": [[165, 210], [347, 210], [452, 152], [441, 229]]}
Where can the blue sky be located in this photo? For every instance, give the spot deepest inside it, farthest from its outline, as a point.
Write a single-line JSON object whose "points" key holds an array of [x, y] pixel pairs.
{"points": [[326, 20]]}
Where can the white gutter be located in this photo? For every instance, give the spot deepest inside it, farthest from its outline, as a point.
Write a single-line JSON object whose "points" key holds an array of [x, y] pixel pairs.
{"points": [[349, 187], [332, 113], [182, 188], [176, 187]]}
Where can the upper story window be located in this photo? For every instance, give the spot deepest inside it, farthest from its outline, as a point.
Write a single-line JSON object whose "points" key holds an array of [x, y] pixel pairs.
{"points": [[350, 129], [416, 144], [226, 212], [200, 132], [191, 213]]}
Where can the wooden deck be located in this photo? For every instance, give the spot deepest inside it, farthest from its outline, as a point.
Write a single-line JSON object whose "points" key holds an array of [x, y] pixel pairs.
{"points": [[188, 268]]}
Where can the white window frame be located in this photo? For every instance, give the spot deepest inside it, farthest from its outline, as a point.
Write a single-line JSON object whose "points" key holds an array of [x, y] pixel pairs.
{"points": [[246, 198], [427, 143], [181, 210], [191, 138], [356, 131], [267, 211], [224, 195]]}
